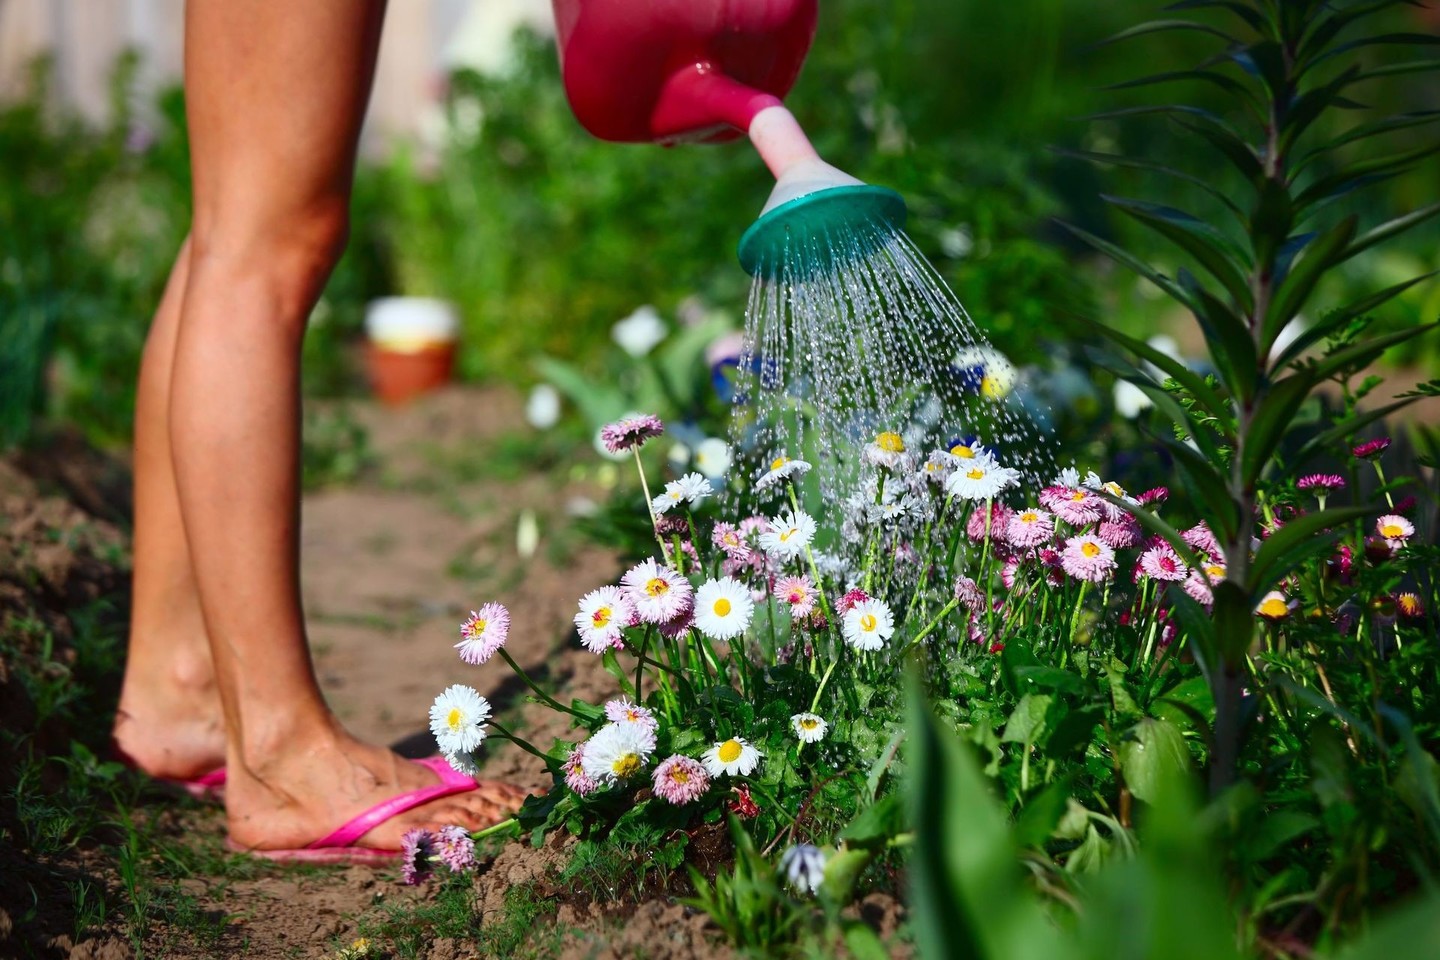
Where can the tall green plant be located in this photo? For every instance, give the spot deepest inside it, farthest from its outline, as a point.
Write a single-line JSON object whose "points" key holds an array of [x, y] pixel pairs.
{"points": [[1286, 65]]}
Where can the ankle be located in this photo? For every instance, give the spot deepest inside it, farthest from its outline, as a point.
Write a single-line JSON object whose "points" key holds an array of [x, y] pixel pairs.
{"points": [[274, 741]]}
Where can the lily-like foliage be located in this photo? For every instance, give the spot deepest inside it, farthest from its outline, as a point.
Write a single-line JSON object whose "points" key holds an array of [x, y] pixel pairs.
{"points": [[1276, 171]]}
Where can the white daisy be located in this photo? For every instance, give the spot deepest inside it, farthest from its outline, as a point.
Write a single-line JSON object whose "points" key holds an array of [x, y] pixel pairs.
{"points": [[809, 727], [1068, 477], [713, 457], [457, 719], [731, 756], [804, 866], [980, 479], [463, 763], [868, 624], [937, 466], [886, 450], [603, 614], [617, 751], [781, 468], [787, 536], [673, 496], [657, 593], [695, 488], [723, 608]]}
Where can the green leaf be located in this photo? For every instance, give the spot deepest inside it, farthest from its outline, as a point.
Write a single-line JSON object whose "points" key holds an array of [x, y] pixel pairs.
{"points": [[1398, 933], [1027, 720], [1229, 144], [1050, 678], [1400, 121], [1308, 107], [1348, 427], [1268, 424], [1289, 546], [1207, 484], [876, 825], [1275, 831], [1360, 355], [1252, 17], [1360, 174], [862, 942], [1336, 319], [1158, 752], [1162, 26], [1320, 255], [1041, 815], [1227, 335], [1392, 228], [1228, 84], [1214, 404], [1211, 249], [1140, 163], [1134, 263]]}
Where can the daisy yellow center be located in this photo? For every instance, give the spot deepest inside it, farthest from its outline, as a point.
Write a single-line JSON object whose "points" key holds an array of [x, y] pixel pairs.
{"points": [[1215, 571], [729, 751], [975, 473], [722, 607], [931, 466], [990, 387], [626, 765], [867, 622], [455, 719], [679, 775], [779, 462], [601, 617], [1078, 495], [1029, 516], [963, 451], [1274, 607], [1090, 548], [657, 587], [1115, 488], [784, 537], [1409, 604], [675, 494], [1392, 530], [890, 442], [809, 723]]}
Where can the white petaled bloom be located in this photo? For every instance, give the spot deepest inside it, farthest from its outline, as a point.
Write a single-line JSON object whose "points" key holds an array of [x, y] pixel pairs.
{"points": [[997, 375], [886, 450], [457, 719], [733, 756], [723, 608], [657, 593], [1396, 530], [462, 763], [787, 536], [483, 633], [623, 711], [542, 408], [804, 866], [868, 624], [782, 468], [713, 457], [640, 332], [1069, 477], [980, 479], [673, 496], [604, 613], [617, 752], [936, 468], [809, 727], [694, 487]]}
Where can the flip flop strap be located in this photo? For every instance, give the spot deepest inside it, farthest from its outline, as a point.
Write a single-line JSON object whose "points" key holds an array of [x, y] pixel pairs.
{"points": [[451, 782]]}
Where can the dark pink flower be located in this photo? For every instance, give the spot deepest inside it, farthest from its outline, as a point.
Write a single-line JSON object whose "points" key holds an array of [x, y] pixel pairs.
{"points": [[631, 432], [1371, 449], [1323, 482]]}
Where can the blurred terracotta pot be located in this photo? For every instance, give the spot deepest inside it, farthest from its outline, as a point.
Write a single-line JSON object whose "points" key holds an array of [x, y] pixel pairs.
{"points": [[411, 348]]}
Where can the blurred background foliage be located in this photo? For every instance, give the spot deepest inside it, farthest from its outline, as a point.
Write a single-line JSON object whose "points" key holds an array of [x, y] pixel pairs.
{"points": [[544, 237]]}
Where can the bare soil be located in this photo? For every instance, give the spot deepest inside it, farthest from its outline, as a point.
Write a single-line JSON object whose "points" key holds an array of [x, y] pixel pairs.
{"points": [[391, 565]]}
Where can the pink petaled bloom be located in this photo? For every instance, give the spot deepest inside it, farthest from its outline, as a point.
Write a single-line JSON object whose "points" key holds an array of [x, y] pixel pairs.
{"points": [[728, 538], [999, 522], [849, 600], [1371, 449], [752, 527], [1341, 564], [603, 615], [1076, 506], [681, 780], [484, 633], [967, 592], [1200, 538], [1378, 549], [1008, 572], [1396, 530], [1122, 533], [1030, 528], [455, 848], [657, 593], [1406, 504], [1153, 495], [1054, 571], [1088, 558], [669, 526], [575, 777], [1410, 606], [622, 710], [1161, 562], [1324, 482], [799, 592], [416, 848], [683, 620], [631, 432]]}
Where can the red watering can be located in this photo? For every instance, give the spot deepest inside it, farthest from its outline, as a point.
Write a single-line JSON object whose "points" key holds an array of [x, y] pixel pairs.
{"points": [[669, 71]]}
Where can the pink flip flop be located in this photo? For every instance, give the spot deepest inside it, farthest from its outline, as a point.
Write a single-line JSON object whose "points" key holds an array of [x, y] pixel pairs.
{"points": [[339, 847], [211, 786]]}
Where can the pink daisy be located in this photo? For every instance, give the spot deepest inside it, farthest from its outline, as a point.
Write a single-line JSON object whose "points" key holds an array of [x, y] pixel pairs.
{"points": [[1197, 585], [417, 847], [603, 614], [728, 538], [681, 780], [1087, 557], [631, 432], [483, 633], [999, 522], [1008, 572], [622, 710], [1153, 495], [1075, 505], [799, 592], [657, 593], [683, 620], [1199, 538], [575, 777], [849, 600], [967, 592], [1161, 562], [1371, 449], [1030, 528], [1122, 533], [455, 848], [1324, 482], [1395, 529]]}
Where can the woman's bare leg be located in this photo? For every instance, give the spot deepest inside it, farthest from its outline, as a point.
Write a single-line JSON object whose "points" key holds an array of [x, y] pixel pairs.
{"points": [[169, 719], [275, 95]]}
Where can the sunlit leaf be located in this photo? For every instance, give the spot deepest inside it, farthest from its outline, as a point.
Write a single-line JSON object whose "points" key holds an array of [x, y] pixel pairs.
{"points": [[1296, 541]]}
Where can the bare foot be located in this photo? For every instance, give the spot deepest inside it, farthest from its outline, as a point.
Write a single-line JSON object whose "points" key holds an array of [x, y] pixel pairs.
{"points": [[306, 792], [169, 722]]}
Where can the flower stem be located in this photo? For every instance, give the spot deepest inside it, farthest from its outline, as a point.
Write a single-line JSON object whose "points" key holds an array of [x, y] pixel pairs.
{"points": [[650, 506], [549, 700], [944, 612], [523, 744], [500, 827], [823, 680]]}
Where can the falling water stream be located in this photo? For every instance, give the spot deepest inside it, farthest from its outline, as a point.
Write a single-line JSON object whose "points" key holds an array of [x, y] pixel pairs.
{"points": [[852, 332]]}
